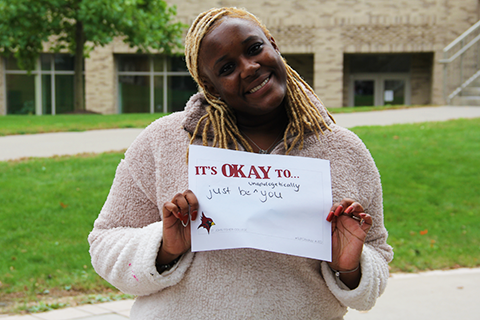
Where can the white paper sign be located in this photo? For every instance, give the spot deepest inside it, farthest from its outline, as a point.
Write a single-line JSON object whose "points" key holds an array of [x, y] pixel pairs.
{"points": [[267, 202], [388, 96]]}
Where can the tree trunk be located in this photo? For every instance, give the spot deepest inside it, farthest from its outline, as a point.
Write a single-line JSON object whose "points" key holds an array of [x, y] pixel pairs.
{"points": [[79, 90]]}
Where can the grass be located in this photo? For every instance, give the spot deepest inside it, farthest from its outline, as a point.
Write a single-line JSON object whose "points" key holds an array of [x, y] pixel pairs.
{"points": [[30, 124], [48, 208], [429, 173], [430, 177]]}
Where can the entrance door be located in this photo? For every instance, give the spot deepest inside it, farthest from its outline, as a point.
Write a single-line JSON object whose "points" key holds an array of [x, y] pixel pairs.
{"points": [[377, 89]]}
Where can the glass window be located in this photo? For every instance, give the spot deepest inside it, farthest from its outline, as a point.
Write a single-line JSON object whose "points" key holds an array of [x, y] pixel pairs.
{"points": [[302, 64], [46, 61], [11, 64], [46, 94], [134, 94], [154, 83], [130, 63], [158, 63], [394, 92], [384, 63], [64, 62], [52, 69], [20, 94], [364, 93], [64, 93], [180, 89], [177, 64], [158, 94]]}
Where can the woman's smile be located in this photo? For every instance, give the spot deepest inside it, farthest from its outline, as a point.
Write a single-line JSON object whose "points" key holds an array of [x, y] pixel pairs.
{"points": [[259, 86]]}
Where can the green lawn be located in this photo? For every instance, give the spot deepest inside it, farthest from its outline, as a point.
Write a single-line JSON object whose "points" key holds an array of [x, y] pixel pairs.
{"points": [[29, 124], [48, 209], [430, 177]]}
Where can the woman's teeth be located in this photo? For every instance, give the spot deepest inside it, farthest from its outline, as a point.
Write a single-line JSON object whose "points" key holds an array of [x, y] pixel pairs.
{"points": [[259, 86]]}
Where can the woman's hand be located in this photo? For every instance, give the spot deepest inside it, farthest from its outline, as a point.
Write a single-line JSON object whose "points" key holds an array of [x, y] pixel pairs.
{"points": [[176, 230], [350, 225]]}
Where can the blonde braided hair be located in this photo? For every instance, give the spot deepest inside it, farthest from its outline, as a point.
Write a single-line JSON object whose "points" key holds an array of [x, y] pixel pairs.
{"points": [[302, 113]]}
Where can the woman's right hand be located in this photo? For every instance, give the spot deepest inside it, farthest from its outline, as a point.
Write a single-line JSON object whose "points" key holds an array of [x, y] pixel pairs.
{"points": [[176, 230]]}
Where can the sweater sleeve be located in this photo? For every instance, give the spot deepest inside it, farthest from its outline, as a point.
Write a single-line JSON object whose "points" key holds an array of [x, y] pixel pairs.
{"points": [[374, 280], [376, 254], [127, 234]]}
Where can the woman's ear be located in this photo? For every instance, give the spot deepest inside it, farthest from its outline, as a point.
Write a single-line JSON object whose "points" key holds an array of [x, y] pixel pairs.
{"points": [[209, 86], [274, 44]]}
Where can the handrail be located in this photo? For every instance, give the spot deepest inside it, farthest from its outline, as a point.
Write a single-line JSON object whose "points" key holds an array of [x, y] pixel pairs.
{"points": [[463, 86], [468, 66], [461, 51], [462, 36]]}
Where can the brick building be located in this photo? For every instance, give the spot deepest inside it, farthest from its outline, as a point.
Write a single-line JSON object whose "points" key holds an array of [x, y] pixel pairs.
{"points": [[353, 52]]}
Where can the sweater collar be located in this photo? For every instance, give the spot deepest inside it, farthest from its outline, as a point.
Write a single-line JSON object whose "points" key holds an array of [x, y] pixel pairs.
{"points": [[196, 108]]}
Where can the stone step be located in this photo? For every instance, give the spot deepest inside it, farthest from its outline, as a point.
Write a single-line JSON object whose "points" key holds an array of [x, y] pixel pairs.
{"points": [[470, 91], [466, 101], [475, 83]]}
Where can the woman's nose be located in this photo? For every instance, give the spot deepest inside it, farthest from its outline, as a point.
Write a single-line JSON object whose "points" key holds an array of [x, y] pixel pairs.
{"points": [[249, 68]]}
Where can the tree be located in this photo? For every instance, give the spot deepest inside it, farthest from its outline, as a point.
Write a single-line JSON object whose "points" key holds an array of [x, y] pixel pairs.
{"points": [[80, 25]]}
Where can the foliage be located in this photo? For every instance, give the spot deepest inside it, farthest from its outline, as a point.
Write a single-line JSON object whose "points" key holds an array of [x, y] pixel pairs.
{"points": [[26, 25], [29, 124]]}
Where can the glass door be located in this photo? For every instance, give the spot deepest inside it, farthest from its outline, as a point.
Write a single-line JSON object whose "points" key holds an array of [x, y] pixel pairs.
{"points": [[379, 89]]}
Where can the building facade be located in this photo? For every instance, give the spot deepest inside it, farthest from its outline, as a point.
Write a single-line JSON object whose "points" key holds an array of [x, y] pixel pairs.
{"points": [[352, 52]]}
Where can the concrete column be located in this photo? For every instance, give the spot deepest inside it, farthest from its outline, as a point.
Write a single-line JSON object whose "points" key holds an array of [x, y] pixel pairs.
{"points": [[328, 68], [437, 79], [3, 89], [100, 84]]}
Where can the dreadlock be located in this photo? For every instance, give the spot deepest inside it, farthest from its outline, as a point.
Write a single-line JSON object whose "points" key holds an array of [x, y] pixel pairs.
{"points": [[302, 113]]}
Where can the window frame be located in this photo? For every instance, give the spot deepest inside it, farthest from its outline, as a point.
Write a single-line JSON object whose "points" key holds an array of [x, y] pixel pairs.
{"points": [[165, 74], [38, 73]]}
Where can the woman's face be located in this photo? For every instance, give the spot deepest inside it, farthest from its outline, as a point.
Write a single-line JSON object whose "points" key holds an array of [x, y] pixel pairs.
{"points": [[239, 64]]}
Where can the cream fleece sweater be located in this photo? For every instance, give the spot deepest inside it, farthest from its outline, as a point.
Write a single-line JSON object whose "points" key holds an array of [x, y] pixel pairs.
{"points": [[238, 283]]}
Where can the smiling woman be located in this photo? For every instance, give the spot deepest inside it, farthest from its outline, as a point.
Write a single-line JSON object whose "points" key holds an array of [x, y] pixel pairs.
{"points": [[231, 55], [250, 100]]}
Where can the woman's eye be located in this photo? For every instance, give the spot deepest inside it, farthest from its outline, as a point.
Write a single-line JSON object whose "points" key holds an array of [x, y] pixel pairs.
{"points": [[256, 48], [226, 68]]}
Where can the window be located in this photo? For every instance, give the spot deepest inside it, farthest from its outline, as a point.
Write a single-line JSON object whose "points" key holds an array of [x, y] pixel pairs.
{"points": [[302, 64], [150, 84], [47, 90]]}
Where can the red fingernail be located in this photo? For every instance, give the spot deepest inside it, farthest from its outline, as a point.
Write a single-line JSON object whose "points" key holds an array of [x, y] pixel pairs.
{"points": [[338, 211], [349, 209], [194, 214], [330, 216]]}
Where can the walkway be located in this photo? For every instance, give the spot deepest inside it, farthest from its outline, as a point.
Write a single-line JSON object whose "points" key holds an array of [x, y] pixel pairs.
{"points": [[69, 143], [431, 295]]}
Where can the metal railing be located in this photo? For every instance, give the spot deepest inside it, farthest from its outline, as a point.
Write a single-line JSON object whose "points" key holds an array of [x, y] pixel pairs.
{"points": [[461, 62]]}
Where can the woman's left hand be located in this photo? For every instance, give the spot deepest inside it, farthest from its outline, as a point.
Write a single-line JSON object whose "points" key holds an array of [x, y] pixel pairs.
{"points": [[350, 225]]}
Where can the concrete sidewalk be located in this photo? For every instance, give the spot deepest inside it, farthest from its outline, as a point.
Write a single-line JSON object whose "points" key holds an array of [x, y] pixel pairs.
{"points": [[439, 295], [432, 295], [96, 141]]}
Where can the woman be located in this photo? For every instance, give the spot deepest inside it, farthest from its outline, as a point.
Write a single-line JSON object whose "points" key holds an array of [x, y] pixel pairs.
{"points": [[250, 100]]}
